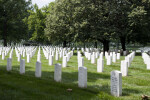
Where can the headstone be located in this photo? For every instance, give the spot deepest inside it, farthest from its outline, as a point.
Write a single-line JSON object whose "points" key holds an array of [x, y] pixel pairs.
{"points": [[109, 60], [28, 58], [118, 56], [50, 60], [100, 65], [124, 68], [38, 69], [93, 58], [114, 57], [22, 66], [124, 53], [148, 65], [80, 62], [64, 61], [89, 56], [116, 83], [57, 73], [9, 64], [3, 55], [82, 77], [39, 57], [57, 56], [19, 57], [23, 54]]}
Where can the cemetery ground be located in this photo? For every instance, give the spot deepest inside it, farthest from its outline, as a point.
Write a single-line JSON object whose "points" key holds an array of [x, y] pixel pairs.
{"points": [[14, 86]]}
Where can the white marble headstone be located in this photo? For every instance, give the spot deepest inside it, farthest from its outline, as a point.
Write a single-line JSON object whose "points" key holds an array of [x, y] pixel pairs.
{"points": [[22, 66], [100, 65], [57, 73], [82, 77], [9, 64], [116, 83], [38, 69]]}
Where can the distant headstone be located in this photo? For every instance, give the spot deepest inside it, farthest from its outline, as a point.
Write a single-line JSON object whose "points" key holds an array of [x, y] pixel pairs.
{"points": [[93, 58], [124, 68], [82, 77], [116, 83], [80, 62], [124, 53], [100, 65], [19, 57], [118, 56], [64, 61], [114, 57], [50, 60], [109, 60], [28, 58], [57, 56], [3, 55], [39, 57]]}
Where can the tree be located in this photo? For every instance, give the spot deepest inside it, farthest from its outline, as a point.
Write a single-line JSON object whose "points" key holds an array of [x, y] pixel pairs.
{"points": [[60, 22], [36, 23], [12, 14], [139, 22], [94, 19]]}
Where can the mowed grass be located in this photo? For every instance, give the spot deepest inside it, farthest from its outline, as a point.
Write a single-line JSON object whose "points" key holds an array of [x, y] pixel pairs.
{"points": [[14, 86]]}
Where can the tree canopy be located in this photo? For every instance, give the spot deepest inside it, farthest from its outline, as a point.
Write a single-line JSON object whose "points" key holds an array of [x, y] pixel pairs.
{"points": [[12, 13]]}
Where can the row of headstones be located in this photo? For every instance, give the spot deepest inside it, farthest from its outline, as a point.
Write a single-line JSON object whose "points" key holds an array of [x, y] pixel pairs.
{"points": [[127, 63], [65, 54], [112, 57], [30, 51], [100, 61], [51, 51], [146, 59], [4, 51], [82, 75], [116, 76], [90, 50], [144, 49]]}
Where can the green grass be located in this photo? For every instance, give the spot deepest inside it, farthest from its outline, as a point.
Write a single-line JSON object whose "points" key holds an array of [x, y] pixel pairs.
{"points": [[14, 86]]}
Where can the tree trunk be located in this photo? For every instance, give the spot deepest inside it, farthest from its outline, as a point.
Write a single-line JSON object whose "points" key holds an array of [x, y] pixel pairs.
{"points": [[123, 43], [105, 46], [64, 44], [4, 35], [95, 44]]}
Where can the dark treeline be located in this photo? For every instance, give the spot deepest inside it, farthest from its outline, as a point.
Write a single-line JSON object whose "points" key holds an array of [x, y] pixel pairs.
{"points": [[77, 22]]}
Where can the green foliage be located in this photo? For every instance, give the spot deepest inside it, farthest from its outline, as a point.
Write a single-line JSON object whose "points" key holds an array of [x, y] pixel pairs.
{"points": [[59, 22], [36, 23], [139, 22], [12, 13]]}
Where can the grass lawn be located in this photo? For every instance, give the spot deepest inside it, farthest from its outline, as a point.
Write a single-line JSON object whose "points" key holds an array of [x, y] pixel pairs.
{"points": [[14, 86]]}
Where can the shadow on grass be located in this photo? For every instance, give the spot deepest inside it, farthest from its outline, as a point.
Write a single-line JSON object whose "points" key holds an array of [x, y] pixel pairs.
{"points": [[127, 92], [69, 80]]}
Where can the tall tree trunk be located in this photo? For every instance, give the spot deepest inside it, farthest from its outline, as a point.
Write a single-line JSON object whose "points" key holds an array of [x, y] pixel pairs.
{"points": [[105, 46], [5, 34], [123, 43], [95, 44], [64, 44]]}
